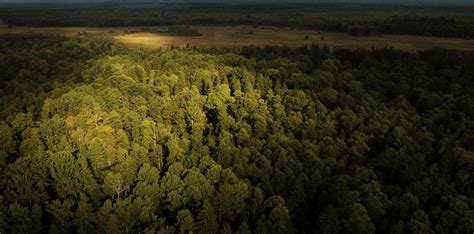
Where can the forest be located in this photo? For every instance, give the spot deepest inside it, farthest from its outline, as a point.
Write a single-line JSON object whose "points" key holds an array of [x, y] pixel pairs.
{"points": [[99, 138], [354, 18]]}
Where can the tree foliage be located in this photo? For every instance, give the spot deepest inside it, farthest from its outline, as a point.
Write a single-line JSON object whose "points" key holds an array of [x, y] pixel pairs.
{"points": [[99, 138]]}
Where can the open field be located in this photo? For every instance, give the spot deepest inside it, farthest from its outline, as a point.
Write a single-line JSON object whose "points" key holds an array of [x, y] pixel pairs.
{"points": [[232, 36], [221, 36]]}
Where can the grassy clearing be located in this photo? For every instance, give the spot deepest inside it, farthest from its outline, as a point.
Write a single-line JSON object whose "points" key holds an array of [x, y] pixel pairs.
{"points": [[221, 36]]}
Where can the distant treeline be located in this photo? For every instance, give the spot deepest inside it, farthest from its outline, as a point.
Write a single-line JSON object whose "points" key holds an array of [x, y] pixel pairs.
{"points": [[412, 25], [447, 21], [183, 30]]}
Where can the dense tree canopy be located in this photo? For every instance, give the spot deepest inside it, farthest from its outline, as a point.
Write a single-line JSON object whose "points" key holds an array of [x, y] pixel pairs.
{"points": [[99, 138]]}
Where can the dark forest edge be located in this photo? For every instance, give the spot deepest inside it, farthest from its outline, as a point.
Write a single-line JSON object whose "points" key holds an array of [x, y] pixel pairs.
{"points": [[100, 138], [355, 19]]}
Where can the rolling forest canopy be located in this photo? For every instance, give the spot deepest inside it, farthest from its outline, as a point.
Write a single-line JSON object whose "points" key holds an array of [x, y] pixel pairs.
{"points": [[99, 138]]}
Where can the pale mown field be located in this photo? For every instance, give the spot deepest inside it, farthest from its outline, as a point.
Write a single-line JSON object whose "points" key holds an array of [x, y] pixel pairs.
{"points": [[237, 36]]}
